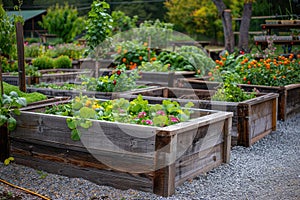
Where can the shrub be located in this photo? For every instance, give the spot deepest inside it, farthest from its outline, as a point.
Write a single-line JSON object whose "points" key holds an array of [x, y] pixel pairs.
{"points": [[63, 62], [43, 62]]}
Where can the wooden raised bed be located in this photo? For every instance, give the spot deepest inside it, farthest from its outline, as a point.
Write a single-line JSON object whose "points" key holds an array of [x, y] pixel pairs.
{"points": [[288, 100], [72, 93], [252, 119], [48, 76], [157, 78], [151, 159]]}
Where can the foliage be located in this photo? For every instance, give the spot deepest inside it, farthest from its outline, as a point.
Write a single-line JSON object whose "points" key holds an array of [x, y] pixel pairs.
{"points": [[175, 61], [155, 66], [156, 34], [277, 71], [118, 81], [230, 92], [62, 62], [199, 16], [137, 111], [8, 66], [9, 105], [43, 62], [32, 71], [30, 97], [63, 21], [201, 62], [55, 86], [7, 36], [99, 24], [122, 22], [132, 54], [32, 50], [73, 51]]}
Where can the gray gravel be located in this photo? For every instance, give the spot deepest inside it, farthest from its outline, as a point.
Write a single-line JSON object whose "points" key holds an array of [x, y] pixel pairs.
{"points": [[269, 170]]}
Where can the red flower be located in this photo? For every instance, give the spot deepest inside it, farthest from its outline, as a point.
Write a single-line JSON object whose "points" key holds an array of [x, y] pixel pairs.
{"points": [[118, 72], [115, 82]]}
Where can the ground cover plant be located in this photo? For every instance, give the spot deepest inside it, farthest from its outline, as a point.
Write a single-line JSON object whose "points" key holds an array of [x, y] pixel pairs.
{"points": [[30, 97]]}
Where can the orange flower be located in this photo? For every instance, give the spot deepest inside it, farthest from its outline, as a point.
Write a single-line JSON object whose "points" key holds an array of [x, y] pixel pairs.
{"points": [[153, 59], [245, 78], [209, 73], [140, 57], [274, 77], [268, 66], [124, 60]]}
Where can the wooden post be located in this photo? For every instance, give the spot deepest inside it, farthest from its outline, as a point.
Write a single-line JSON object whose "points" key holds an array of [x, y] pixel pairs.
{"points": [[21, 60], [4, 143]]}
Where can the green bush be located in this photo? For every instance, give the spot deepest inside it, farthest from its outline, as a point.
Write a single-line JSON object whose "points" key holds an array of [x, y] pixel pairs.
{"points": [[43, 62], [63, 62], [8, 66]]}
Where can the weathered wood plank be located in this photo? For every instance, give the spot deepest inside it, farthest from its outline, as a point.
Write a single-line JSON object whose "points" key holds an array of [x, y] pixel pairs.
{"points": [[121, 180]]}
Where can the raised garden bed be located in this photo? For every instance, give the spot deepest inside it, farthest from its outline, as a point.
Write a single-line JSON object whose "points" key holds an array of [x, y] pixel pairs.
{"points": [[288, 100], [252, 119], [49, 76], [168, 79], [152, 159], [72, 93]]}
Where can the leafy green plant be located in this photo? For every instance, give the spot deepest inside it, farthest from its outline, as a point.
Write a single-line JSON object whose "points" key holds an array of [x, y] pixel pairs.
{"points": [[122, 22], [118, 81], [43, 62], [62, 62], [9, 105], [63, 21], [176, 61], [137, 111], [32, 71], [155, 66]]}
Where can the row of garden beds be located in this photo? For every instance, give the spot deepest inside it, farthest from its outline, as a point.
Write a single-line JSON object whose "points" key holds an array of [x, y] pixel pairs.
{"points": [[163, 157]]}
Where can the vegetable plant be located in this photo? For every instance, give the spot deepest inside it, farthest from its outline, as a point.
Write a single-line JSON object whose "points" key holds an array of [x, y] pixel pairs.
{"points": [[9, 105], [137, 111]]}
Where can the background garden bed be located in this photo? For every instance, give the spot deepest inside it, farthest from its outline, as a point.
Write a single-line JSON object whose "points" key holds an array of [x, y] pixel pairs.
{"points": [[252, 119], [288, 100]]}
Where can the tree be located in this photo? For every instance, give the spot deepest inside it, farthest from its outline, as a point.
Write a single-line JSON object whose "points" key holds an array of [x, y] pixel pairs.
{"points": [[99, 28], [245, 25], [63, 21], [227, 24], [122, 22]]}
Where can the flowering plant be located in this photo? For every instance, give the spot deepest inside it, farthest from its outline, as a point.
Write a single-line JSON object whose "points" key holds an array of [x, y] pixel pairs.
{"points": [[277, 71], [137, 111], [118, 81]]}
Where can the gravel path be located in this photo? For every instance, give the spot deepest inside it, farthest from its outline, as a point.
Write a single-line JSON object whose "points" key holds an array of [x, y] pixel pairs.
{"points": [[269, 170]]}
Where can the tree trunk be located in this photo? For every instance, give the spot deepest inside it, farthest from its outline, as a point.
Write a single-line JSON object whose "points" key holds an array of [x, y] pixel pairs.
{"points": [[227, 24], [244, 28]]}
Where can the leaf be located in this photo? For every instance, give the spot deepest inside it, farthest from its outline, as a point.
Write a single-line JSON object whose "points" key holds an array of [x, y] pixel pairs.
{"points": [[21, 101], [160, 120], [71, 123], [3, 120], [87, 113], [75, 135], [11, 123], [17, 111]]}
